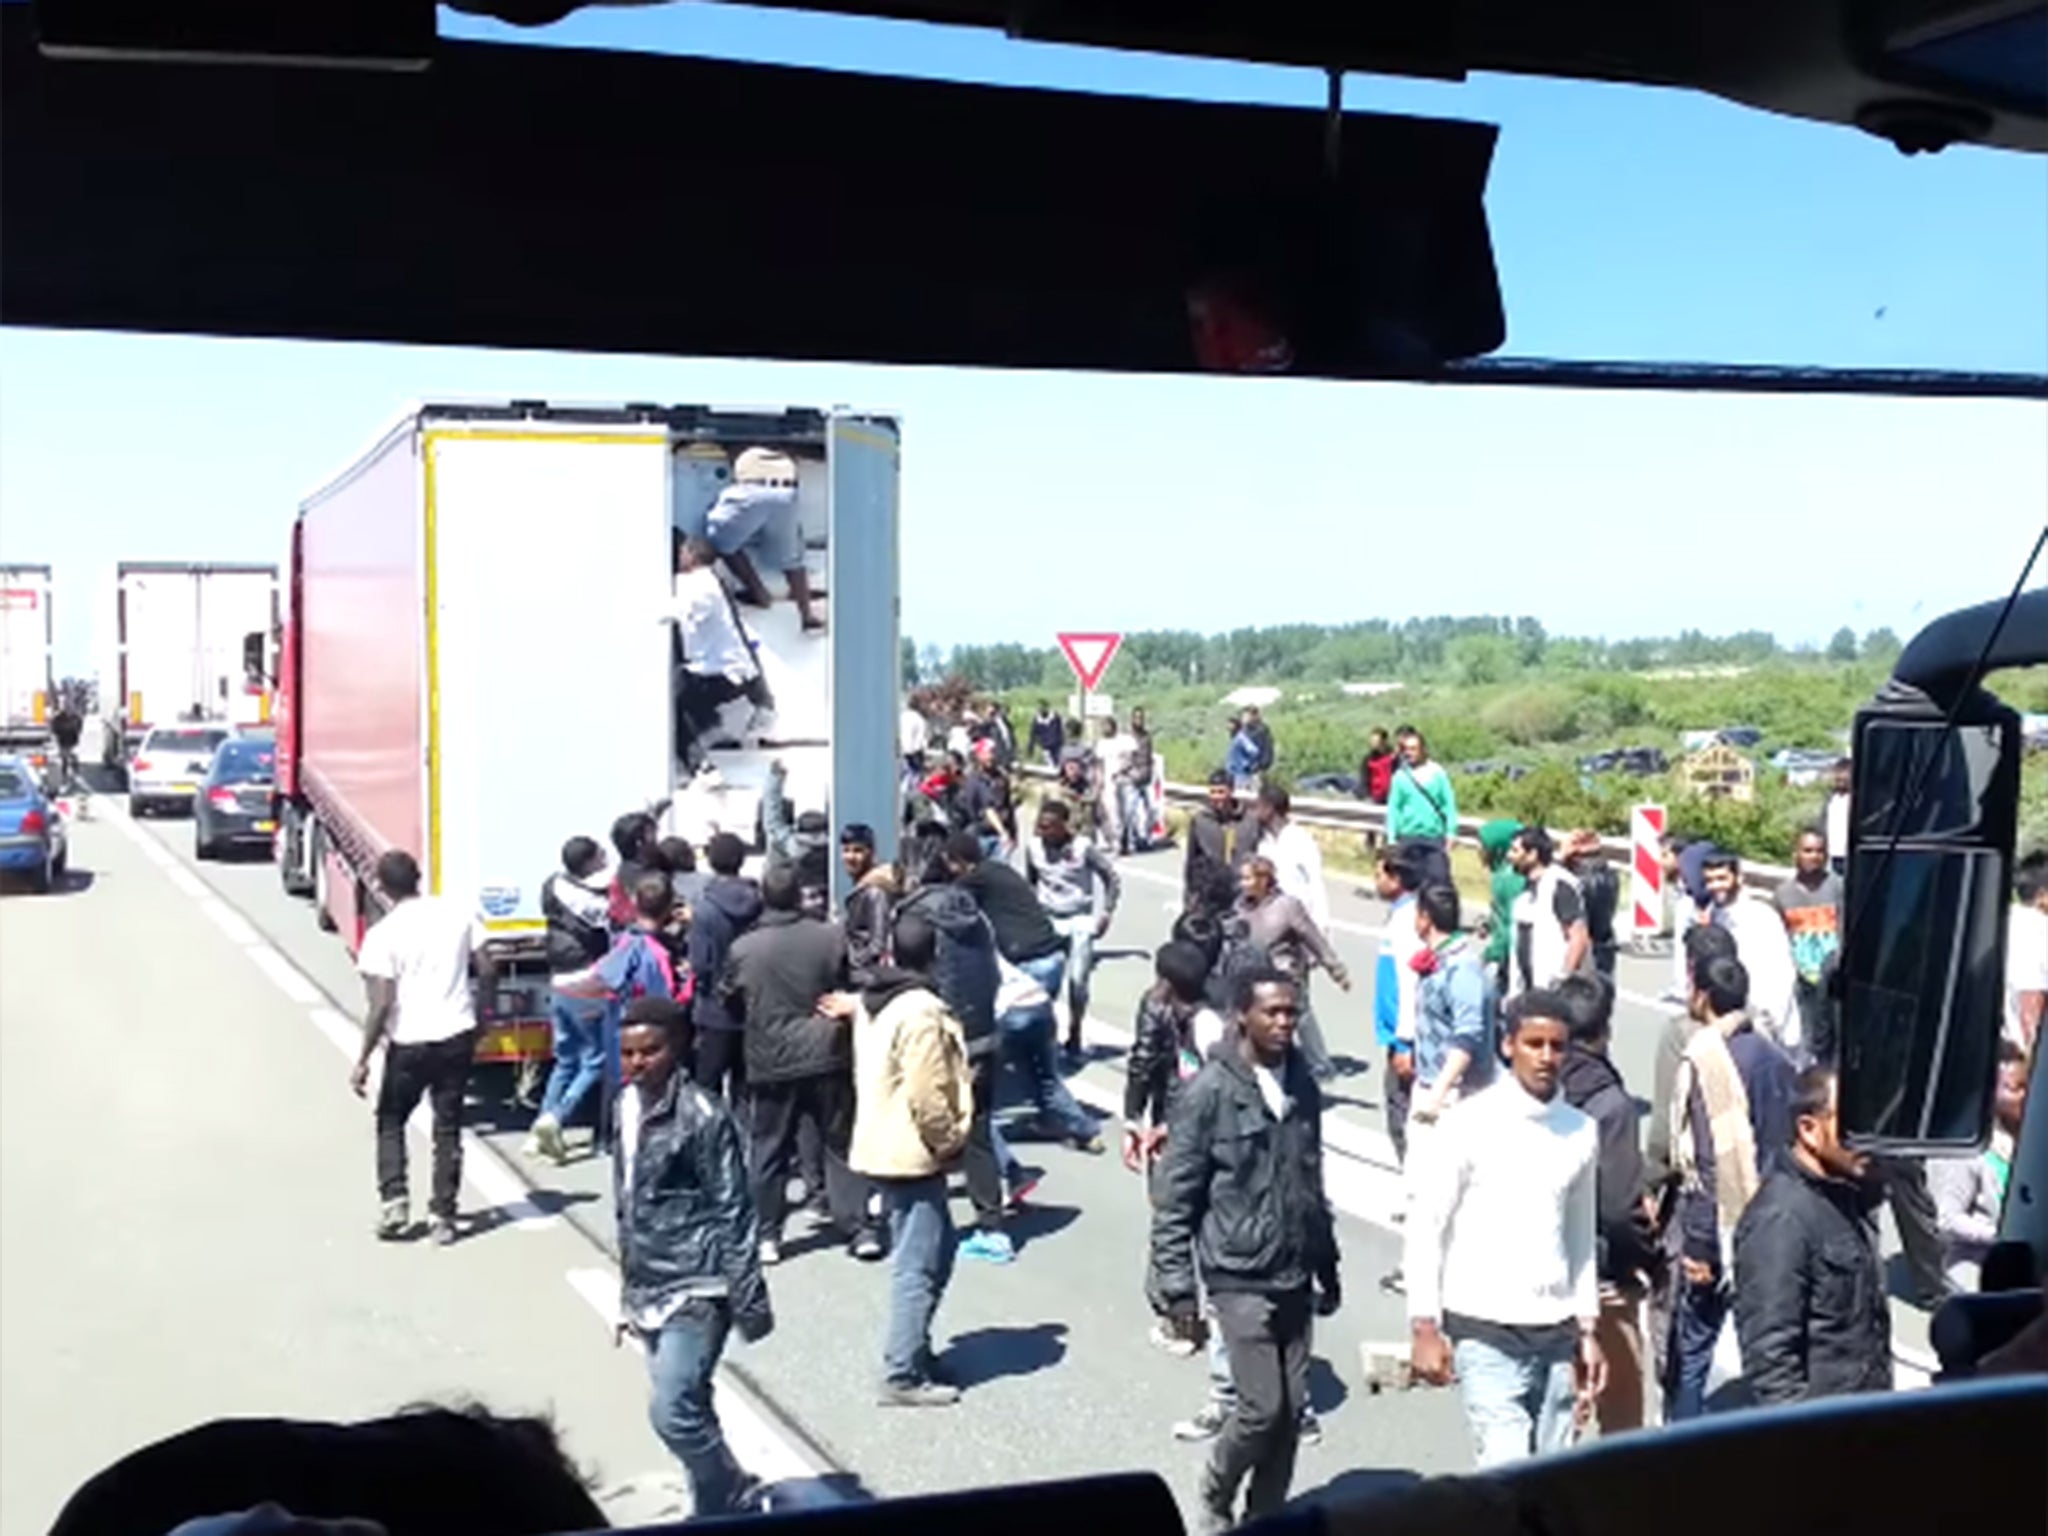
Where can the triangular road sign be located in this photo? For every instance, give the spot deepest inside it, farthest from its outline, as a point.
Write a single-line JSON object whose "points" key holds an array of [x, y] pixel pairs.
{"points": [[1090, 655]]}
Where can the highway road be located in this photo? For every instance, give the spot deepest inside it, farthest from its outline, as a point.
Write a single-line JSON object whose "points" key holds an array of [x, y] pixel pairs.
{"points": [[186, 1201]]}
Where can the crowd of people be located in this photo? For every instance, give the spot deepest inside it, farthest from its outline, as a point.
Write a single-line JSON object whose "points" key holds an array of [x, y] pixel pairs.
{"points": [[1565, 1259]]}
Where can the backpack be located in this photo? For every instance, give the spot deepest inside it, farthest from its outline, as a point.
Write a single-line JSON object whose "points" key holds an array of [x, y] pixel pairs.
{"points": [[649, 970], [965, 972]]}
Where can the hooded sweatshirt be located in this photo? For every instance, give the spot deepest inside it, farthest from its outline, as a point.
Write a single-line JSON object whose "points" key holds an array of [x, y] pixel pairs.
{"points": [[577, 912], [728, 907], [965, 972], [913, 1091], [1508, 886]]}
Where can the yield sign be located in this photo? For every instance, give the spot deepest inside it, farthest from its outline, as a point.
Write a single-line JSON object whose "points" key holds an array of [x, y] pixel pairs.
{"points": [[1089, 655]]}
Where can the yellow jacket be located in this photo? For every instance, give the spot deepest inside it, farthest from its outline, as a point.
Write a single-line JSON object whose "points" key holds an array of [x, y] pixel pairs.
{"points": [[915, 1094]]}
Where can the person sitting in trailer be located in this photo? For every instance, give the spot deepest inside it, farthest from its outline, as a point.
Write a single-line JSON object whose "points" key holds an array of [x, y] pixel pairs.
{"points": [[754, 519]]}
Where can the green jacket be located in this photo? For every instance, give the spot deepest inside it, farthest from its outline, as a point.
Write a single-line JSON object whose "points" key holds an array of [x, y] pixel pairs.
{"points": [[1494, 838], [1421, 806]]}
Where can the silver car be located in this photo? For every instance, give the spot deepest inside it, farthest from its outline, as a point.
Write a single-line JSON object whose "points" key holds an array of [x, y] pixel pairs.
{"points": [[170, 765]]}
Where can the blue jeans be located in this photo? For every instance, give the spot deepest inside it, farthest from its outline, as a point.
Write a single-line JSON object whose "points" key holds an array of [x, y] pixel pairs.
{"points": [[681, 1358], [579, 1054], [921, 1243], [1518, 1402], [1030, 1041], [1696, 1319], [1079, 968]]}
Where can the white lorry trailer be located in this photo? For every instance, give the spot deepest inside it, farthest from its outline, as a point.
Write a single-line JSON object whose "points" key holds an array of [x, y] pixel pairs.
{"points": [[192, 640], [28, 694]]}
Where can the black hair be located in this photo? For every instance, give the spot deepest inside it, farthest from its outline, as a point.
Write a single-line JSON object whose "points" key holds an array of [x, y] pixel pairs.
{"points": [[857, 834], [1219, 778], [1275, 798], [964, 848], [1056, 809], [427, 1470], [1704, 942], [782, 888], [1198, 928], [678, 855], [1536, 1003], [1589, 1005], [2010, 1049], [1811, 1091], [580, 855], [701, 550], [398, 874], [653, 897], [1811, 829], [725, 853], [1725, 982], [1538, 841], [916, 943], [1398, 862], [1245, 984], [1183, 967], [664, 1013], [2030, 876], [1439, 903], [630, 831], [1109, 724]]}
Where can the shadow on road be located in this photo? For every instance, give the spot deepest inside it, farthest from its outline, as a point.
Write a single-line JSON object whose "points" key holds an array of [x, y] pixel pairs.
{"points": [[1033, 1222], [73, 882], [1326, 1389], [989, 1354]]}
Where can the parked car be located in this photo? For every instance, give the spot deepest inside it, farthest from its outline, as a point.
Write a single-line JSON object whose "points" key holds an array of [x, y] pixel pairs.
{"points": [[1480, 770], [1344, 784], [236, 806], [170, 765], [1637, 762], [1744, 736], [32, 840]]}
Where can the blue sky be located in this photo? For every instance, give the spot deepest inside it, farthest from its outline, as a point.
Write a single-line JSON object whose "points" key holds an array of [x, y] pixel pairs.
{"points": [[1627, 223]]}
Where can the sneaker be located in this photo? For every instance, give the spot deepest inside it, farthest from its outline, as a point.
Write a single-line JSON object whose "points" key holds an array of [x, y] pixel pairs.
{"points": [[547, 1136], [441, 1230], [1092, 1144], [1309, 1428], [771, 1251], [1207, 1423], [394, 1221], [1022, 1189], [918, 1394], [749, 1496], [1176, 1344], [867, 1246], [989, 1247]]}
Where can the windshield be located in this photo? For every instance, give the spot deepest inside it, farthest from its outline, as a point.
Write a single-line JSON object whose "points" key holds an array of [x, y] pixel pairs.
{"points": [[241, 762], [199, 743]]}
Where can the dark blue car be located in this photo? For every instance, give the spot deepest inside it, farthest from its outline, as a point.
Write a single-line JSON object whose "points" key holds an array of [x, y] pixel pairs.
{"points": [[31, 830]]}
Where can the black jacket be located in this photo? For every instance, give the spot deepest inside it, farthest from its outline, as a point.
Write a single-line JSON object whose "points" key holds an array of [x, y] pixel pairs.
{"points": [[1600, 892], [1240, 1195], [578, 930], [1262, 734], [1627, 1247], [1023, 931], [773, 978], [1810, 1306], [689, 1217], [965, 972], [870, 909], [1218, 847], [1048, 735], [1152, 1072], [726, 908]]}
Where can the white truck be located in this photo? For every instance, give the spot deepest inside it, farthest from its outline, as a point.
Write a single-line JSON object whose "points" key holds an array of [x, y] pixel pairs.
{"points": [[28, 694], [193, 640], [481, 661]]}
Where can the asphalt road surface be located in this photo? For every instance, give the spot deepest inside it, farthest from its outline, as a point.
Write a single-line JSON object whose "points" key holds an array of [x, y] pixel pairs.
{"points": [[186, 1199]]}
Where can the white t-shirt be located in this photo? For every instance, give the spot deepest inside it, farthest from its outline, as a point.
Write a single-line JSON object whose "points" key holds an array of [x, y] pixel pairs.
{"points": [[1837, 825], [916, 733], [712, 643], [1271, 1090], [2026, 962], [424, 945]]}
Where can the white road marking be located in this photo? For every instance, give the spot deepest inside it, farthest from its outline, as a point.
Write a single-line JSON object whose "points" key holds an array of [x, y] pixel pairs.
{"points": [[759, 1446], [342, 1032], [289, 979], [231, 923]]}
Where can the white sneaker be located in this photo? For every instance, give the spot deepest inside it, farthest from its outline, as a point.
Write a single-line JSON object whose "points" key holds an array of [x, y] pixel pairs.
{"points": [[547, 1137], [1175, 1344]]}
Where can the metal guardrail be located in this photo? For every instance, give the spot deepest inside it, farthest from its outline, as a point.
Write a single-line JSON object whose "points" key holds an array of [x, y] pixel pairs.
{"points": [[1362, 816]]}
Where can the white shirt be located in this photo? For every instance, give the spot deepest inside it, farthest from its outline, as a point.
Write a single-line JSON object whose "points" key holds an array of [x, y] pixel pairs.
{"points": [[1503, 1222], [2026, 962], [424, 945], [1765, 950], [1835, 822], [915, 731], [1271, 1090], [1114, 753], [1298, 865], [712, 643]]}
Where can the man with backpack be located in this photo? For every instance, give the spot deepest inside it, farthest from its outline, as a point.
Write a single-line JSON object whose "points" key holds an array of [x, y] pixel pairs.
{"points": [[636, 965], [575, 901], [1599, 890]]}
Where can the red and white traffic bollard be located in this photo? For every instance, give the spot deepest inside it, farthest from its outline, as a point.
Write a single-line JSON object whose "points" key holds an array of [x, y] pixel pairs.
{"points": [[1646, 858]]}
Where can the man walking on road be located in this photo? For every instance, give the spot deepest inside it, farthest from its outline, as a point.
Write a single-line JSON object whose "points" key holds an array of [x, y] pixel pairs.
{"points": [[1810, 906], [689, 1266], [1763, 948], [1048, 734], [1278, 926], [915, 1103], [1810, 1306], [1552, 940], [799, 1062], [1218, 842], [1503, 1288], [1394, 998], [1454, 1053], [415, 963], [1261, 735], [728, 907], [1079, 889], [1422, 807], [1241, 1204]]}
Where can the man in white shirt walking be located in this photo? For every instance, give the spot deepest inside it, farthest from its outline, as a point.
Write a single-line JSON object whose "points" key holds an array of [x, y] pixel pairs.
{"points": [[1297, 861], [1503, 1288], [415, 963]]}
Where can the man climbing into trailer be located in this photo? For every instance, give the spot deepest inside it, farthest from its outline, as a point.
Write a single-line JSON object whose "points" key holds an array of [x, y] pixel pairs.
{"points": [[755, 517], [717, 662]]}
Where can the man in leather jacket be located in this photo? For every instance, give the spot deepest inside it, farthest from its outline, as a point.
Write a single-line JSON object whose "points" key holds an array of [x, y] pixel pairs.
{"points": [[689, 1260], [1240, 1203]]}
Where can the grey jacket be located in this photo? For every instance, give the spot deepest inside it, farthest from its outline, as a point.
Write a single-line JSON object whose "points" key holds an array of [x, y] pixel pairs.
{"points": [[1967, 1199], [1280, 925], [1077, 882]]}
